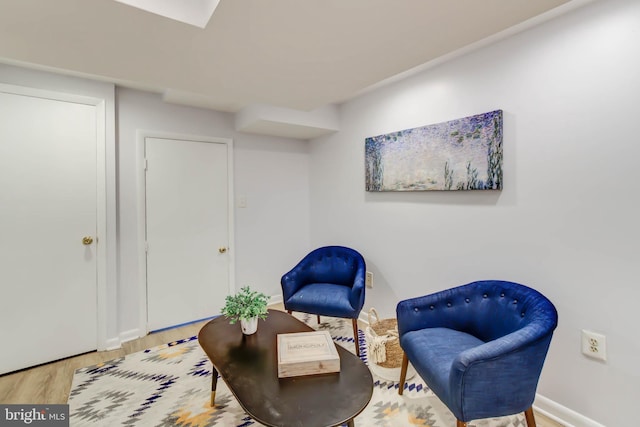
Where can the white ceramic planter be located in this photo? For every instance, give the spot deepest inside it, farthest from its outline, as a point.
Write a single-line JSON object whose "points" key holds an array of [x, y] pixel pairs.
{"points": [[249, 326]]}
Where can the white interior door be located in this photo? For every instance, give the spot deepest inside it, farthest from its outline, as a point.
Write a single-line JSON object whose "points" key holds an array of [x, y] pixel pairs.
{"points": [[186, 230], [47, 205]]}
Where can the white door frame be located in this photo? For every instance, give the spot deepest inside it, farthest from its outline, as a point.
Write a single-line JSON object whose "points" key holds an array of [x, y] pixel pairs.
{"points": [[104, 239], [141, 136]]}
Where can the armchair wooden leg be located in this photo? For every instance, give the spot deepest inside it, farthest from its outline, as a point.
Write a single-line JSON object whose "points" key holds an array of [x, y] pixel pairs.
{"points": [[355, 336], [461, 424], [403, 373], [318, 319], [528, 415], [289, 311]]}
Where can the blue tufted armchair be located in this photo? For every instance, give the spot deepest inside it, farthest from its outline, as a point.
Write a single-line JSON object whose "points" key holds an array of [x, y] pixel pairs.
{"points": [[328, 281], [480, 347]]}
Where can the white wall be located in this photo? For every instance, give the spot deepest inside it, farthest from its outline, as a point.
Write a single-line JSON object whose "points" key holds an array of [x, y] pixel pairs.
{"points": [[565, 223], [272, 173]]}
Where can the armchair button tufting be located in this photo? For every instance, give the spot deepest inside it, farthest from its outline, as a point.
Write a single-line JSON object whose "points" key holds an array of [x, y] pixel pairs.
{"points": [[522, 314], [448, 304], [467, 300], [416, 309], [502, 295], [431, 307], [484, 295], [515, 301]]}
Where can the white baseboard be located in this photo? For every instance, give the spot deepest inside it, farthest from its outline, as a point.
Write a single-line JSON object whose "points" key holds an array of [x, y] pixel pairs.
{"points": [[111, 344], [363, 318], [275, 299], [130, 335], [562, 414], [116, 343]]}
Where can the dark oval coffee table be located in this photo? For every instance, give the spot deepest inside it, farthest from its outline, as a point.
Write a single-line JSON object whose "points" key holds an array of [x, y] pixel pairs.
{"points": [[249, 367]]}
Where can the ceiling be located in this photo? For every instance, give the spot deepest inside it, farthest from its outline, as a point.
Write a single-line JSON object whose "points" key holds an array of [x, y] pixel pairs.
{"points": [[257, 58]]}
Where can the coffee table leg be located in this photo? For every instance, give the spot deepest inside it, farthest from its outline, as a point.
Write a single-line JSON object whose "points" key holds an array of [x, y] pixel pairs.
{"points": [[214, 384], [350, 423]]}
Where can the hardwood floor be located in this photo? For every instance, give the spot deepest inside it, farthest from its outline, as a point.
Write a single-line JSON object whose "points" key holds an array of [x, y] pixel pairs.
{"points": [[50, 383]]}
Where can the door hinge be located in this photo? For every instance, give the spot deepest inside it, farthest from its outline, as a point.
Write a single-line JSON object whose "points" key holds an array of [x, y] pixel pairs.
{"points": [[146, 247], [146, 164]]}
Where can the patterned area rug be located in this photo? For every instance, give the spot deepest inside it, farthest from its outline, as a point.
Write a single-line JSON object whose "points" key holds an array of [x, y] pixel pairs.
{"points": [[169, 385]]}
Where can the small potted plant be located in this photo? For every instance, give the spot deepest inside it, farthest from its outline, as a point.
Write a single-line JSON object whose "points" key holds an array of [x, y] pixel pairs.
{"points": [[247, 306]]}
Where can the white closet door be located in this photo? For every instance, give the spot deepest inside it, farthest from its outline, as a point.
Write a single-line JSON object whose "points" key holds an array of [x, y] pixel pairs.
{"points": [[47, 206], [187, 230]]}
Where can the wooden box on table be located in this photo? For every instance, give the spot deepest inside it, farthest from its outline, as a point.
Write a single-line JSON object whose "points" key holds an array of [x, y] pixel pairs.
{"points": [[307, 353]]}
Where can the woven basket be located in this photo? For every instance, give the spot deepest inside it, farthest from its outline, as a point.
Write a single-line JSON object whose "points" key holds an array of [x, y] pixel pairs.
{"points": [[383, 343], [383, 332]]}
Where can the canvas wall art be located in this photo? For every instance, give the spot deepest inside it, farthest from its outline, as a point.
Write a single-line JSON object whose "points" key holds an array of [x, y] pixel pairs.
{"points": [[461, 154]]}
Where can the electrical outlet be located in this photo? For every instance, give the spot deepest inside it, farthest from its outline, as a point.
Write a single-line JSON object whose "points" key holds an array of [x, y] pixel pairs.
{"points": [[369, 280], [594, 345]]}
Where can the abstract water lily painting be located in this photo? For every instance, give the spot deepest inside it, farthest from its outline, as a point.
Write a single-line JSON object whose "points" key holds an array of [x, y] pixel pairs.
{"points": [[461, 154]]}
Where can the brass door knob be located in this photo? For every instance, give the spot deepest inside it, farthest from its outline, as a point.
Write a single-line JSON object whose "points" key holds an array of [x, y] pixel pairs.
{"points": [[222, 249], [87, 240]]}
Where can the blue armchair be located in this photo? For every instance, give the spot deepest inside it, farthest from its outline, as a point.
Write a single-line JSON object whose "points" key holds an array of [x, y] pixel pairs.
{"points": [[480, 347], [328, 281]]}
